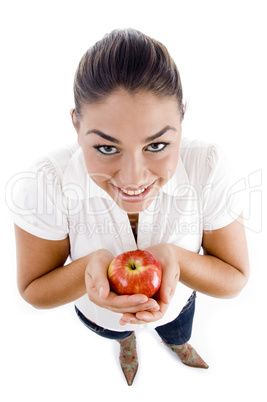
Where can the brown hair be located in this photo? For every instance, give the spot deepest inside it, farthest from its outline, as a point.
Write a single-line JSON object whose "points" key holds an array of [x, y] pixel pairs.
{"points": [[129, 59]]}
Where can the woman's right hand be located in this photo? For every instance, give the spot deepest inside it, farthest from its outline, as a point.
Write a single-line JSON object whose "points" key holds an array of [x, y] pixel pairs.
{"points": [[98, 289]]}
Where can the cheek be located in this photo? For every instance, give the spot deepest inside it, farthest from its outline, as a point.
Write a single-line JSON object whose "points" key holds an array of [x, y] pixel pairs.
{"points": [[100, 170], [167, 166]]}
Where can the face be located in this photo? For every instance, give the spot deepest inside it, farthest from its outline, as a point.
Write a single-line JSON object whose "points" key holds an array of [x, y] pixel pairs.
{"points": [[131, 146]]}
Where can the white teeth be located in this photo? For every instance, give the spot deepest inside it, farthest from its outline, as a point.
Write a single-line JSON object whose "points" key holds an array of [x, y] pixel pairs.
{"points": [[131, 192]]}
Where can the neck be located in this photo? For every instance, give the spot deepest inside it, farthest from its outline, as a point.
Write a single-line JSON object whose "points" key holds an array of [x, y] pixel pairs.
{"points": [[133, 218]]}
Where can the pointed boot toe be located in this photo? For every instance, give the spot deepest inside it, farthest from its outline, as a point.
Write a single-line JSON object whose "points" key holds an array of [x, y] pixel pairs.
{"points": [[188, 355], [129, 372], [128, 357]]}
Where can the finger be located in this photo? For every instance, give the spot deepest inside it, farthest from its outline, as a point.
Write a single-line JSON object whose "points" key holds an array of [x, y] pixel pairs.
{"points": [[147, 316], [127, 319], [132, 303], [90, 287], [150, 316], [168, 284], [137, 299], [104, 289], [130, 319], [98, 283], [144, 317], [101, 282]]}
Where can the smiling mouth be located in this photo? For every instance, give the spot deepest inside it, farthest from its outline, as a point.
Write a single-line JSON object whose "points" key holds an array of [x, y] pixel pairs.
{"points": [[134, 192], [131, 194]]}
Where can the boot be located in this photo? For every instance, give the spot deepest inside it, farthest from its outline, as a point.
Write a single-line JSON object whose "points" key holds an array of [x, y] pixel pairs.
{"points": [[128, 357], [188, 355]]}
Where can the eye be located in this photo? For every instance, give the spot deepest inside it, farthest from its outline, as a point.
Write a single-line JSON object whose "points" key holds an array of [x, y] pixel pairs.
{"points": [[106, 149], [157, 146]]}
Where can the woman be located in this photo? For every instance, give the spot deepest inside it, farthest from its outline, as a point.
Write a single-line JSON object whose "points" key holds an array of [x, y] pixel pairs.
{"points": [[130, 182]]}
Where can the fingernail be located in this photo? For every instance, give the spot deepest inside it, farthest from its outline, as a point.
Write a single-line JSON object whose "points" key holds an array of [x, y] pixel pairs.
{"points": [[122, 322], [168, 298], [155, 307], [101, 291], [143, 301]]}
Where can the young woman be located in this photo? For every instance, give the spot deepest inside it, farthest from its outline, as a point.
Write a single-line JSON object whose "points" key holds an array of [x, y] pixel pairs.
{"points": [[130, 182]]}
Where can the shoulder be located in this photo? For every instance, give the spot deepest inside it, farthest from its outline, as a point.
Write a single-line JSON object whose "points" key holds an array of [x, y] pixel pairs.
{"points": [[54, 164], [194, 149], [199, 157], [36, 199]]}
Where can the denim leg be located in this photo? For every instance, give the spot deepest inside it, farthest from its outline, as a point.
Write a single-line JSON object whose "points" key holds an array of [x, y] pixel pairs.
{"points": [[105, 333], [178, 331]]}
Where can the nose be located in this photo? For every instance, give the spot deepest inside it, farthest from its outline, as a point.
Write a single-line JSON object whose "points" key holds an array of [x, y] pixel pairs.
{"points": [[133, 171]]}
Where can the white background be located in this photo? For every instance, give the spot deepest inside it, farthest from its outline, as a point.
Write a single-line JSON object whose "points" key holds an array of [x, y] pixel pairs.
{"points": [[220, 50]]}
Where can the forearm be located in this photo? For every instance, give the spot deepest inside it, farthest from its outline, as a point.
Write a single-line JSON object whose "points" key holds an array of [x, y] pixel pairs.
{"points": [[210, 275], [60, 286]]}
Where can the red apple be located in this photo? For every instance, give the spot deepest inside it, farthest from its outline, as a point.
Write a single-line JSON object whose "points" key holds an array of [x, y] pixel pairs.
{"points": [[134, 272]]}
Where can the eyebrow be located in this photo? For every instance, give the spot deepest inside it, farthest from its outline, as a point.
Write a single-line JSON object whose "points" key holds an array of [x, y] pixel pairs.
{"points": [[160, 133], [105, 136], [115, 141]]}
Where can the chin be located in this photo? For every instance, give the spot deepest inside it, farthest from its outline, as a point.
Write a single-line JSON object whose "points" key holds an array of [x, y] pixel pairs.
{"points": [[132, 208]]}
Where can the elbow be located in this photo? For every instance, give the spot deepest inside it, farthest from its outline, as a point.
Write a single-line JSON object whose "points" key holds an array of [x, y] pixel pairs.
{"points": [[234, 292], [242, 284], [237, 285], [30, 296], [244, 274], [31, 301]]}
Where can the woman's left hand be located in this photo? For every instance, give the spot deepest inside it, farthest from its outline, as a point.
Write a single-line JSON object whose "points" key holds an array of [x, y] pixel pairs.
{"points": [[167, 257]]}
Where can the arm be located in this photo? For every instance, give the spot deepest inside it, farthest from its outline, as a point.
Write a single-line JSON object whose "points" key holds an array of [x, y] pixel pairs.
{"points": [[222, 272], [224, 269], [45, 282]]}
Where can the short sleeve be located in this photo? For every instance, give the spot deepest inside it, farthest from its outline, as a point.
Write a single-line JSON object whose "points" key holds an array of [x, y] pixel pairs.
{"points": [[36, 202], [222, 201]]}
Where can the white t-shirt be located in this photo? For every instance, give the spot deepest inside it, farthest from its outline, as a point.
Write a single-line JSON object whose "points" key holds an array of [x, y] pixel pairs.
{"points": [[56, 198]]}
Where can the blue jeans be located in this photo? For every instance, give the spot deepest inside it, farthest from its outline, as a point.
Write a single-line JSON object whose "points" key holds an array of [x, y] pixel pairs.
{"points": [[176, 332]]}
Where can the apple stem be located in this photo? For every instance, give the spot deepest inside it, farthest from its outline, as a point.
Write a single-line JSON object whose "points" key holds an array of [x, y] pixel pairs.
{"points": [[132, 264]]}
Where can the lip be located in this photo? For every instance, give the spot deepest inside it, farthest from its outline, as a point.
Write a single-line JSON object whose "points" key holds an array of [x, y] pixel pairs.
{"points": [[133, 198]]}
